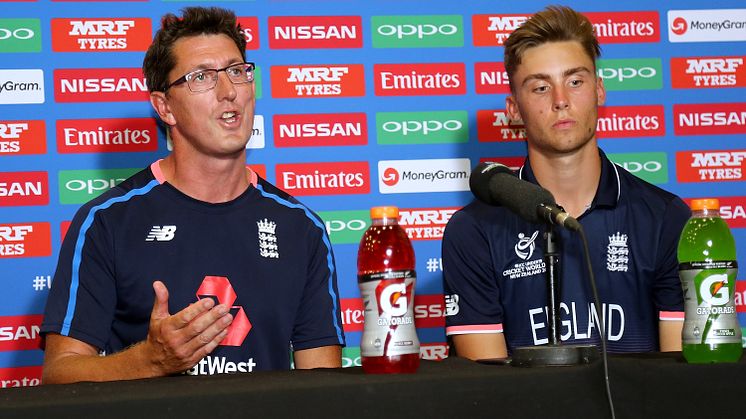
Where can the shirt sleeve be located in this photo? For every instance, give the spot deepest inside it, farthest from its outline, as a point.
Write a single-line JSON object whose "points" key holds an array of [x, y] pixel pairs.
{"points": [[469, 281], [667, 292], [82, 299], [319, 322]]}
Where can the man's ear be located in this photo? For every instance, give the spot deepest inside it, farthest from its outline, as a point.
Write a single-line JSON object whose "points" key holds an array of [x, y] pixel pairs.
{"points": [[511, 107], [159, 101]]}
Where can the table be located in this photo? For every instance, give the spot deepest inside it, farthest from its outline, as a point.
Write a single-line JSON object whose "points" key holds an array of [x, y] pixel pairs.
{"points": [[643, 386]]}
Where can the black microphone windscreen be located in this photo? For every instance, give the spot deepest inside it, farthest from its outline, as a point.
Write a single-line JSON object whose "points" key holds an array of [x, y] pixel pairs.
{"points": [[495, 184]]}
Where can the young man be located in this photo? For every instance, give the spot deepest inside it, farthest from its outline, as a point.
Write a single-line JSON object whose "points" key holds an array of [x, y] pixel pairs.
{"points": [[492, 260], [195, 264]]}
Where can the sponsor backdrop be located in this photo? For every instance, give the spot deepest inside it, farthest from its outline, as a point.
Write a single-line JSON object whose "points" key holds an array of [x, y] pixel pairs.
{"points": [[359, 104]]}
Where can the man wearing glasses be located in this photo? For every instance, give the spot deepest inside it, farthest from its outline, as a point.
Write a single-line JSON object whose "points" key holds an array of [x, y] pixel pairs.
{"points": [[194, 265]]}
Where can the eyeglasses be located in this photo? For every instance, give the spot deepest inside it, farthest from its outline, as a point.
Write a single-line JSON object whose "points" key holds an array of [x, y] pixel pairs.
{"points": [[206, 79]]}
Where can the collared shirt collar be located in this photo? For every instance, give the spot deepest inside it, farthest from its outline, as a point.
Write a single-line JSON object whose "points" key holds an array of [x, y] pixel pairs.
{"points": [[607, 194]]}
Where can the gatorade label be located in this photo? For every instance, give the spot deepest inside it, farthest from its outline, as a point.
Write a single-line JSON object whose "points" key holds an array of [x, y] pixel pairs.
{"points": [[709, 308], [388, 298]]}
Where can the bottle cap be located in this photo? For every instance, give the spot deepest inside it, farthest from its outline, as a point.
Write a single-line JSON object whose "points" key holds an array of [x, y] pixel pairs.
{"points": [[706, 203], [384, 212]]}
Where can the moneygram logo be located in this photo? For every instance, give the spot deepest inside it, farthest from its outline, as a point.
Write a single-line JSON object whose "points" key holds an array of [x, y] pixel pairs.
{"points": [[425, 223], [21, 87], [710, 165], [494, 125], [625, 27], [101, 34], [631, 74], [700, 72], [80, 186], [711, 118], [250, 28], [493, 30], [415, 176], [20, 376], [337, 80], [23, 137], [436, 127], [20, 35], [324, 178], [651, 167], [291, 32], [431, 31], [25, 240], [345, 227], [707, 25], [420, 79], [100, 85], [491, 78], [106, 135], [630, 121], [314, 130], [23, 189], [20, 333]]}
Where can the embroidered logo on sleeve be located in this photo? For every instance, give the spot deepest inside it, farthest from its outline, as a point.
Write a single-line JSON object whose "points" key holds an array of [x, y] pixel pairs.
{"points": [[617, 253], [267, 239]]}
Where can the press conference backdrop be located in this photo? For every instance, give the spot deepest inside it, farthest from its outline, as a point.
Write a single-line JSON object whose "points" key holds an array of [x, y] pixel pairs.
{"points": [[359, 103]]}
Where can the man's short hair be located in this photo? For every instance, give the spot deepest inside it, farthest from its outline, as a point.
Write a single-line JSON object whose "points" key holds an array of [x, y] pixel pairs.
{"points": [[159, 60], [553, 24]]}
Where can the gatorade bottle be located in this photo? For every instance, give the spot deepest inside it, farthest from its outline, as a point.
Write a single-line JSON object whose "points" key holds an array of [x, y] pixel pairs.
{"points": [[707, 268], [386, 276]]}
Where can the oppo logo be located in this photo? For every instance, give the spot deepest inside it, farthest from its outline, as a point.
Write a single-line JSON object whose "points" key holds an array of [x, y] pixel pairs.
{"points": [[648, 166], [420, 31], [421, 127], [92, 185], [351, 362], [623, 73], [345, 225], [20, 33]]}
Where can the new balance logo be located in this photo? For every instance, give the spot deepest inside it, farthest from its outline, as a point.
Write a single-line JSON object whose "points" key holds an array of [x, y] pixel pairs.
{"points": [[161, 234]]}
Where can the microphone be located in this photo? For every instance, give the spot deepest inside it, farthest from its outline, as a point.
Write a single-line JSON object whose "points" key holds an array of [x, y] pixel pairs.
{"points": [[495, 184]]}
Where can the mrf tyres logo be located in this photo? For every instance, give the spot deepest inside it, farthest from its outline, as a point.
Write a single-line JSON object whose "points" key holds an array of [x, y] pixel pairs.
{"points": [[425, 223], [494, 125], [332, 80], [418, 176], [25, 240], [709, 119], [431, 31], [19, 87], [339, 178], [80, 186], [631, 74], [436, 127], [420, 79], [716, 25], [23, 189], [710, 165], [707, 72], [651, 167], [23, 137], [291, 32], [20, 35], [100, 34], [219, 288]]}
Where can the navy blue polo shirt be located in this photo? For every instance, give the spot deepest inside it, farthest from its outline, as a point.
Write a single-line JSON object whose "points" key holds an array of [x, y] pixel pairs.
{"points": [[495, 280], [263, 254]]}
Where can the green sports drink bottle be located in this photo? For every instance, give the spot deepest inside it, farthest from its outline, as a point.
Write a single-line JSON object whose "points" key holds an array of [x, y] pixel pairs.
{"points": [[707, 268]]}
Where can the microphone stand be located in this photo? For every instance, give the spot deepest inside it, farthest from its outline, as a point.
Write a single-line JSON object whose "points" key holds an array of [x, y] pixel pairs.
{"points": [[555, 353]]}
